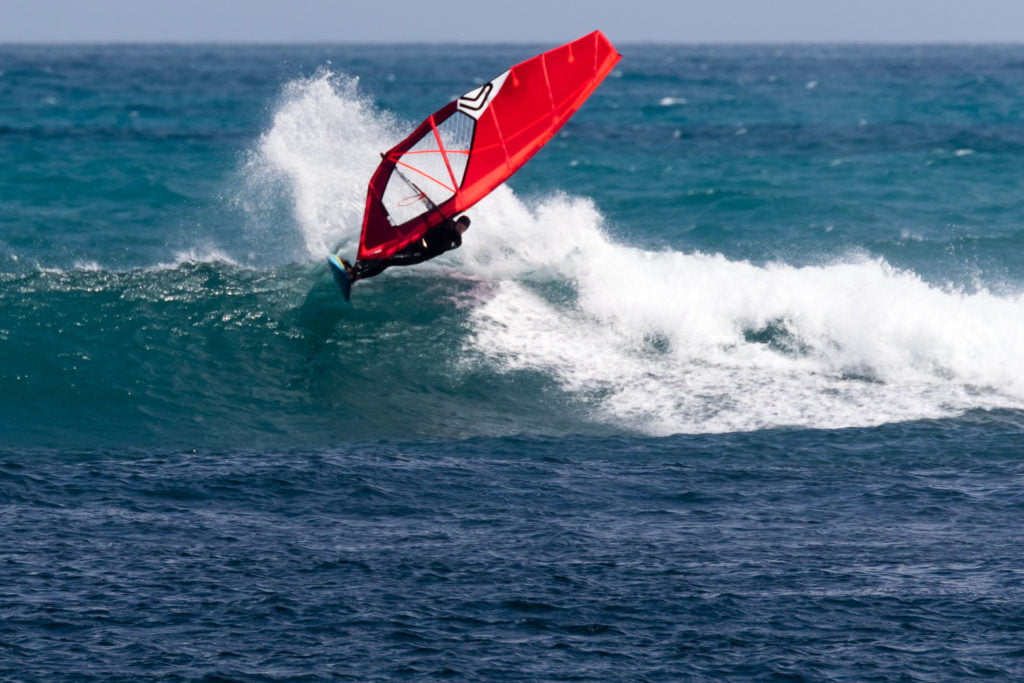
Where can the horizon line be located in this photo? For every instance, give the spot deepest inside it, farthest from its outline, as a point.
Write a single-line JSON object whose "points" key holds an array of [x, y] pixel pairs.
{"points": [[465, 43]]}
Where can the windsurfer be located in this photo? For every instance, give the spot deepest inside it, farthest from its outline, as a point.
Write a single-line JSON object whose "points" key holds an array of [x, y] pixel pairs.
{"points": [[439, 239]]}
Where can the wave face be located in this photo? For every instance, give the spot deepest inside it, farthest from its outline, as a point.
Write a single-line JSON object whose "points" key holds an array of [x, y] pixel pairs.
{"points": [[682, 259]]}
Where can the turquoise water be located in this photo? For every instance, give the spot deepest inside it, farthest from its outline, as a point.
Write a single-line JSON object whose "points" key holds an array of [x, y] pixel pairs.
{"points": [[726, 382]]}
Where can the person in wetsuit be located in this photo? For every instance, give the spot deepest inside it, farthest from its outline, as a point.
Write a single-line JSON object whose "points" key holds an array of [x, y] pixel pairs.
{"points": [[439, 239]]}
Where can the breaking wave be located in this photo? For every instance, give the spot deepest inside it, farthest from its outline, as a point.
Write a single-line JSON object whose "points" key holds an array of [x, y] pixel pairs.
{"points": [[666, 341]]}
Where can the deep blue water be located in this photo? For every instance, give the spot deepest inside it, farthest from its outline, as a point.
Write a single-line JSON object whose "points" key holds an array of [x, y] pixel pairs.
{"points": [[727, 382]]}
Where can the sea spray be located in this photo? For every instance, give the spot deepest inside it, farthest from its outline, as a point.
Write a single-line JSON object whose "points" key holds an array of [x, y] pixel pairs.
{"points": [[323, 144]]}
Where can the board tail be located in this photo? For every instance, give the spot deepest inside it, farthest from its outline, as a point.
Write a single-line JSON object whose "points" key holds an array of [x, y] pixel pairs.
{"points": [[341, 276]]}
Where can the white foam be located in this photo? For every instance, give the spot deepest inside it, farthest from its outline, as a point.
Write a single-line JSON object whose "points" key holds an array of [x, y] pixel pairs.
{"points": [[668, 342], [672, 101], [207, 253]]}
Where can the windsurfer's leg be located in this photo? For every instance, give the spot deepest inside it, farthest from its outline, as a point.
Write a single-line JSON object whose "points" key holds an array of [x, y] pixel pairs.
{"points": [[368, 268], [409, 256], [412, 255], [401, 259]]}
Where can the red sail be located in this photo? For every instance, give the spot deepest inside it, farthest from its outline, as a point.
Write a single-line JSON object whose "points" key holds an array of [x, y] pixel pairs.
{"points": [[470, 146]]}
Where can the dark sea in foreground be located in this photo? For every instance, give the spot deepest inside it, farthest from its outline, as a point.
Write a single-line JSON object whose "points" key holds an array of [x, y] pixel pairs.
{"points": [[727, 383]]}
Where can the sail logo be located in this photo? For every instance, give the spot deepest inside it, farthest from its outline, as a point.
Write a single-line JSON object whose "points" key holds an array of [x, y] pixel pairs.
{"points": [[476, 101]]}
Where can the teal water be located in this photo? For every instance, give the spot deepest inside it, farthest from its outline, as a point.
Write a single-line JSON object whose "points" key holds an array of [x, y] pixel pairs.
{"points": [[725, 383]]}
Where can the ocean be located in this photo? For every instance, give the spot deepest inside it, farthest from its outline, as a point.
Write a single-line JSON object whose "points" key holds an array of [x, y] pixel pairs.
{"points": [[726, 383]]}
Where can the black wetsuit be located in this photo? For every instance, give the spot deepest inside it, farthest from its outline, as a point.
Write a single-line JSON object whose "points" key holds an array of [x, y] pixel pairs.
{"points": [[439, 239]]}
